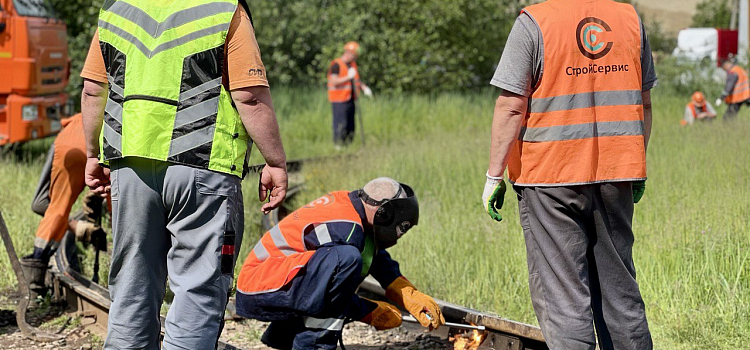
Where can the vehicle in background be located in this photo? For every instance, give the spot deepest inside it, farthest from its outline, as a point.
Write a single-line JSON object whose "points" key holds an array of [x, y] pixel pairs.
{"points": [[713, 44], [34, 71]]}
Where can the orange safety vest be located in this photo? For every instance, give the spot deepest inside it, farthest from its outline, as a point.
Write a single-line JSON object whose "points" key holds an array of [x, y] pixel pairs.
{"points": [[741, 91], [281, 252], [694, 109], [343, 91], [584, 122]]}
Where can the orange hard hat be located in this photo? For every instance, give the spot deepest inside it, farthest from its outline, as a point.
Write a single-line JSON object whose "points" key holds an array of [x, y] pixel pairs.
{"points": [[352, 47], [698, 99]]}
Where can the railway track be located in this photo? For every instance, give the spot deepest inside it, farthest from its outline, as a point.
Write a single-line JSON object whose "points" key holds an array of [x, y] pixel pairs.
{"points": [[90, 301]]}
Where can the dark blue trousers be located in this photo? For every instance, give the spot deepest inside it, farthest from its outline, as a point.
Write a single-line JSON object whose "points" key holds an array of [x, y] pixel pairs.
{"points": [[310, 310], [343, 122]]}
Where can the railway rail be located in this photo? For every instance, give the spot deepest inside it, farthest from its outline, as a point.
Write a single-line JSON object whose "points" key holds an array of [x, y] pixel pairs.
{"points": [[90, 301]]}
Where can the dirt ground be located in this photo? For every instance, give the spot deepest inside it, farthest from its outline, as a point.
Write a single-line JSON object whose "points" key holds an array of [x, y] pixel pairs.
{"points": [[243, 334]]}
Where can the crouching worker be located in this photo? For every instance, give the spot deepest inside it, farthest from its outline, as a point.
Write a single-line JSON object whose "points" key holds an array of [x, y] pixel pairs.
{"points": [[60, 184], [303, 274]]}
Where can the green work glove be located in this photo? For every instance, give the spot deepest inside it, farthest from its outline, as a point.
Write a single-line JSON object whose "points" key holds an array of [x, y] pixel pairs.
{"points": [[493, 196], [638, 188]]}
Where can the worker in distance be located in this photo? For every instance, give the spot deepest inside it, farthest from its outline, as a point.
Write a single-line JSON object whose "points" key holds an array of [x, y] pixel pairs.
{"points": [[303, 273], [698, 109], [736, 89]]}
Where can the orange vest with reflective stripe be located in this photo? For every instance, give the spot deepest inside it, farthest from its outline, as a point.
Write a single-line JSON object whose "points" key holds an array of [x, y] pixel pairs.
{"points": [[694, 109], [741, 91], [585, 118], [343, 91], [281, 252]]}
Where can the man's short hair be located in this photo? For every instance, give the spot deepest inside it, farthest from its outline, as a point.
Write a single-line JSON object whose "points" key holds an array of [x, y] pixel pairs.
{"points": [[383, 188]]}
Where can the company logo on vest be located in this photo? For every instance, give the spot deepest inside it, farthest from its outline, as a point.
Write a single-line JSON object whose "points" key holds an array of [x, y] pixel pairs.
{"points": [[591, 36]]}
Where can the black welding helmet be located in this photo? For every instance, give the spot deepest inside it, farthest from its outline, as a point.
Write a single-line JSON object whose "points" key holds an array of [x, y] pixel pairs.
{"points": [[394, 216]]}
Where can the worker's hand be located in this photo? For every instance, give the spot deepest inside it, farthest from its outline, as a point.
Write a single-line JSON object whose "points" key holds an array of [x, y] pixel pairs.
{"points": [[351, 73], [419, 305], [718, 102], [366, 90], [82, 229], [97, 177], [493, 196], [638, 188], [273, 180], [385, 316]]}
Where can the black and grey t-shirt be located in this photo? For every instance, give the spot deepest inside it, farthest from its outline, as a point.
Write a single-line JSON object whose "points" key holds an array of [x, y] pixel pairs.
{"points": [[522, 63]]}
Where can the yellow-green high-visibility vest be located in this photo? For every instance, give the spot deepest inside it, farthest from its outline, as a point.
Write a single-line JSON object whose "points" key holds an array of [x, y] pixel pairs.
{"points": [[164, 63]]}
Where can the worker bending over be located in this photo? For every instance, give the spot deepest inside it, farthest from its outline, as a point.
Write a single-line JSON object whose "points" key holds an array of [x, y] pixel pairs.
{"points": [[572, 125], [343, 89], [736, 90], [61, 182], [303, 273], [698, 109], [176, 92]]}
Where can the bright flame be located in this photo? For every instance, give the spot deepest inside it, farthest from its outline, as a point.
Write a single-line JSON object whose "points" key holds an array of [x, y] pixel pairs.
{"points": [[468, 341]]}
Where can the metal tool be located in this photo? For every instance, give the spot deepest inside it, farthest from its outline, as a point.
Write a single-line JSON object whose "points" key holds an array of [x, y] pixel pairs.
{"points": [[23, 301], [411, 319]]}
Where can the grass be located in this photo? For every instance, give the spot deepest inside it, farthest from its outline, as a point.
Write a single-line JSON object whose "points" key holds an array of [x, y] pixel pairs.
{"points": [[692, 239]]}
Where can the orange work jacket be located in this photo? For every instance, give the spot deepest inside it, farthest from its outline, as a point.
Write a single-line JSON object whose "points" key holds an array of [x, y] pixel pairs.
{"points": [[584, 122], [741, 91], [285, 249], [343, 92]]}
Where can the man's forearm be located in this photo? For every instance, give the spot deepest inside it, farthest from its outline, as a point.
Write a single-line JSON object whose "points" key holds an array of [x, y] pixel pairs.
{"points": [[337, 80], [93, 102], [646, 95], [729, 87], [510, 111], [256, 111]]}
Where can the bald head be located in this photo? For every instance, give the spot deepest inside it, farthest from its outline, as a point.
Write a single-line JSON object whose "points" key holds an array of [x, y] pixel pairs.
{"points": [[383, 188]]}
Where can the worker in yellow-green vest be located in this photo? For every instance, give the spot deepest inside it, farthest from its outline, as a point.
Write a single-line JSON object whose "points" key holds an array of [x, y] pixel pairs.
{"points": [[174, 95]]}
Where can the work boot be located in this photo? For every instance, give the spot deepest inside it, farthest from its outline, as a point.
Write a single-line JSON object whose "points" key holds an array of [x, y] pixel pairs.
{"points": [[34, 270], [280, 334]]}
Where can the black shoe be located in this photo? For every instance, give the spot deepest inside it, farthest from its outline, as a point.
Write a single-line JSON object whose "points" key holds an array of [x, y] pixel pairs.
{"points": [[280, 334]]}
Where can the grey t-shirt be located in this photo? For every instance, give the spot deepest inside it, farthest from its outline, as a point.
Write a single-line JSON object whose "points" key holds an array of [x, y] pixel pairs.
{"points": [[521, 65]]}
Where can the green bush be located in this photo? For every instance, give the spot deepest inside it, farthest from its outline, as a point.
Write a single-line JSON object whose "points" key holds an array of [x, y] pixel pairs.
{"points": [[682, 77], [713, 13], [408, 45], [80, 16]]}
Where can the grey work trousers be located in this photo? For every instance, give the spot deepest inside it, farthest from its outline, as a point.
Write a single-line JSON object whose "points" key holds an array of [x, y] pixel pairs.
{"points": [[174, 220], [579, 242]]}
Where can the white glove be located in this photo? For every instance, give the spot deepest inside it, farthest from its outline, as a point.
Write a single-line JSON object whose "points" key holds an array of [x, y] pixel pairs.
{"points": [[718, 102], [493, 196], [351, 73], [367, 91]]}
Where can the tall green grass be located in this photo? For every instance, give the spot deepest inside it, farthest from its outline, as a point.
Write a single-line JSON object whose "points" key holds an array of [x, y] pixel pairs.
{"points": [[692, 239]]}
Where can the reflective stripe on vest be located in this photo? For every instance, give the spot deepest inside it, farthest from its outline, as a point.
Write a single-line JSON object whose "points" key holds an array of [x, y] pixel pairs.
{"points": [[741, 91], [343, 92], [584, 123], [281, 252], [166, 101]]}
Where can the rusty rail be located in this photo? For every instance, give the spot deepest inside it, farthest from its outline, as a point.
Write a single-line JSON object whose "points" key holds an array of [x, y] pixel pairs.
{"points": [[504, 334]]}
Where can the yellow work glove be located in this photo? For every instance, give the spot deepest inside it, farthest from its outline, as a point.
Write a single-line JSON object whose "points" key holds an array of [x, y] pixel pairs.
{"points": [[385, 316], [419, 305]]}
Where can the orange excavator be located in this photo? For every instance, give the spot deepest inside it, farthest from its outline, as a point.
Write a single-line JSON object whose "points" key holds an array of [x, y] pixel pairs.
{"points": [[34, 70]]}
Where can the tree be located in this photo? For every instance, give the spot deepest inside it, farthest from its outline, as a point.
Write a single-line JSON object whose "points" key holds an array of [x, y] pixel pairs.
{"points": [[408, 45], [713, 13], [80, 16]]}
